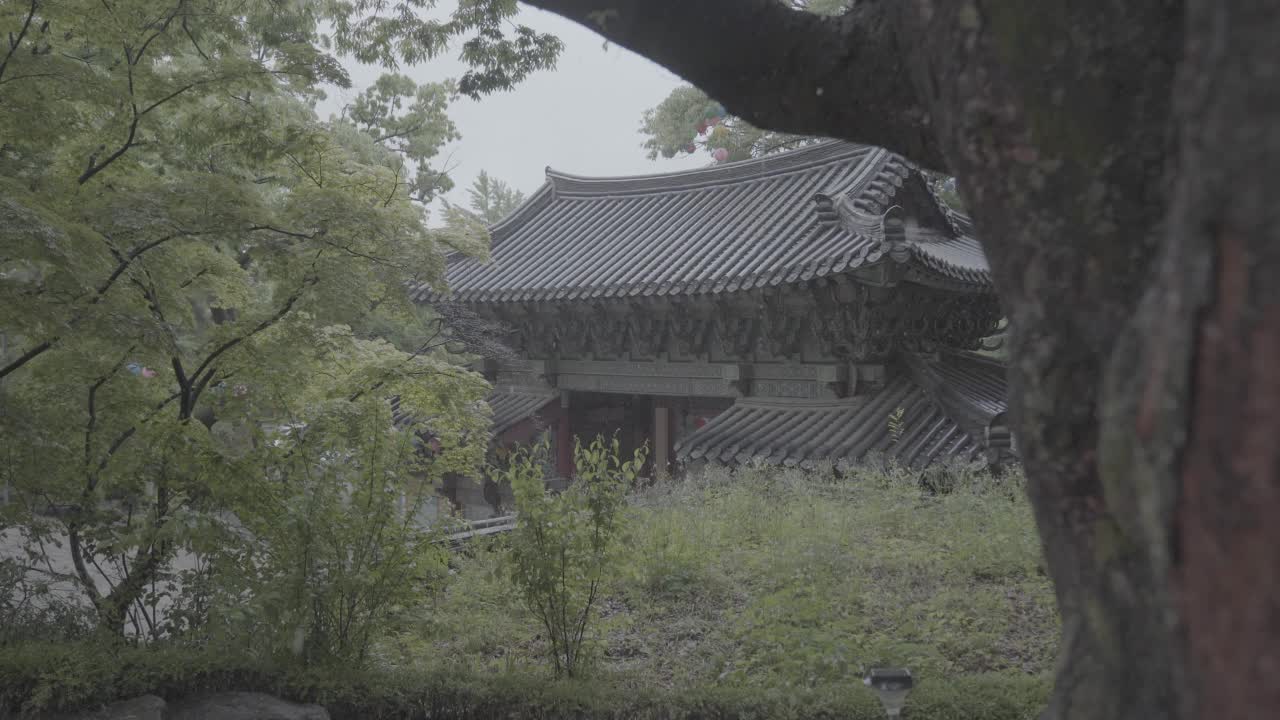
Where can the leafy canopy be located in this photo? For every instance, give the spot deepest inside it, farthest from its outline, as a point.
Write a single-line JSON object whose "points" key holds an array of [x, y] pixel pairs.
{"points": [[195, 269]]}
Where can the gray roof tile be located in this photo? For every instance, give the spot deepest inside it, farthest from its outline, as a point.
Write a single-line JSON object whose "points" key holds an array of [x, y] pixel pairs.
{"points": [[946, 401], [726, 228], [508, 408]]}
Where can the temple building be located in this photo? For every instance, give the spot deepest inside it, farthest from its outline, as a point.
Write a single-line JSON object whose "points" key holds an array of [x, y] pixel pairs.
{"points": [[814, 305]]}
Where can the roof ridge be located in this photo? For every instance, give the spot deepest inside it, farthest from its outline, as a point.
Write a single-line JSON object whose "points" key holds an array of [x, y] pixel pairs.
{"points": [[819, 153], [976, 357], [498, 229]]}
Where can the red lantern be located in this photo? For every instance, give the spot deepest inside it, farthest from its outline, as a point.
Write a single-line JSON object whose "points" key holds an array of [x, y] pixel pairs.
{"points": [[691, 148], [720, 154]]}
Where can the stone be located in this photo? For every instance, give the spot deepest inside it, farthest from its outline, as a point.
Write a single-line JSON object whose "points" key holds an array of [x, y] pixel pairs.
{"points": [[243, 706]]}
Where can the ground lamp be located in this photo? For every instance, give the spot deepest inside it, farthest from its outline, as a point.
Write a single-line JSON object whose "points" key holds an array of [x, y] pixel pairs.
{"points": [[892, 685]]}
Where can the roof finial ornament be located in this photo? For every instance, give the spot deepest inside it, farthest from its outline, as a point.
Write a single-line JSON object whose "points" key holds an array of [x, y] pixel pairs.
{"points": [[895, 226]]}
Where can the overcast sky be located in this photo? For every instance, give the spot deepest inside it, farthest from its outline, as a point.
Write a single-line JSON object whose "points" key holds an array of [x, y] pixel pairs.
{"points": [[583, 117]]}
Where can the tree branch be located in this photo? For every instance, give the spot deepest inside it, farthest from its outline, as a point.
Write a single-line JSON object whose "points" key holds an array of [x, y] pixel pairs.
{"points": [[268, 322], [15, 42], [122, 263], [777, 68], [92, 405], [28, 356]]}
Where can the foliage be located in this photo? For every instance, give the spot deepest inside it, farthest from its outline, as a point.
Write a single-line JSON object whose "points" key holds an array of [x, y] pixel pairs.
{"points": [[492, 199], [670, 127], [563, 544], [411, 120], [786, 579], [333, 555], [48, 678], [195, 265], [33, 610], [386, 32], [786, 586], [896, 423]]}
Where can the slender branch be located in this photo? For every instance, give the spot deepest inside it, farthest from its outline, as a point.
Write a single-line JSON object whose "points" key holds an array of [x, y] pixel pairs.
{"points": [[289, 233], [159, 31], [428, 345], [76, 544], [28, 356], [92, 405], [95, 167], [193, 278], [123, 437], [266, 323], [187, 30], [132, 59], [90, 484], [123, 261], [779, 69], [15, 42], [402, 133], [28, 76]]}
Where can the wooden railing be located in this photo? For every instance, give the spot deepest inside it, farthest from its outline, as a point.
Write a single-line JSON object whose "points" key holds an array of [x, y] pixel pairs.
{"points": [[482, 528]]}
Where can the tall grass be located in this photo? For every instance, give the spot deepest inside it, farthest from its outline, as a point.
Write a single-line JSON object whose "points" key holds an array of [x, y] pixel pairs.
{"points": [[786, 578]]}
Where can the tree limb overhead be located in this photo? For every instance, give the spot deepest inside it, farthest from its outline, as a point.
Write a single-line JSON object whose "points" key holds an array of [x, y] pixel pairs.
{"points": [[776, 67]]}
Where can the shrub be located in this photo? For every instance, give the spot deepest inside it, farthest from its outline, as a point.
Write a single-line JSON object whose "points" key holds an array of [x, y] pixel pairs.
{"points": [[332, 555], [562, 544], [31, 608]]}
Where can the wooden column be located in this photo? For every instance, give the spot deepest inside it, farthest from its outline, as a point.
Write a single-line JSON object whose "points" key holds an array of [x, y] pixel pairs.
{"points": [[564, 440], [661, 439]]}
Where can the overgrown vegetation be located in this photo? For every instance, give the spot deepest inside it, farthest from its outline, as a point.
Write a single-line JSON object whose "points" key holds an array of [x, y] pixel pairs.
{"points": [[759, 591], [785, 579], [68, 677]]}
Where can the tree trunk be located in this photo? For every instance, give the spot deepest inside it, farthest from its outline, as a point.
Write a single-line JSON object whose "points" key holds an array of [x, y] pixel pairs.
{"points": [[1207, 384], [1055, 119], [1120, 163]]}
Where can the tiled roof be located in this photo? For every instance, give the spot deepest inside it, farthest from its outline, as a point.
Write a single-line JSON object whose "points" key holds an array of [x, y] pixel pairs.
{"points": [[936, 421], [508, 408], [778, 219]]}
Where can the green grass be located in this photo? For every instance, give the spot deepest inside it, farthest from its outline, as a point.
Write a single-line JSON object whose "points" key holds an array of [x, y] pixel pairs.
{"points": [[755, 594], [780, 580]]}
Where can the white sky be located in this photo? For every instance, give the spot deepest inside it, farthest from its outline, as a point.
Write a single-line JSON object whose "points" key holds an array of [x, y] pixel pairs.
{"points": [[583, 117]]}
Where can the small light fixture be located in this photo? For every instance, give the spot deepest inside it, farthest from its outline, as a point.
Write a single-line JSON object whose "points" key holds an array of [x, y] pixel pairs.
{"points": [[892, 685]]}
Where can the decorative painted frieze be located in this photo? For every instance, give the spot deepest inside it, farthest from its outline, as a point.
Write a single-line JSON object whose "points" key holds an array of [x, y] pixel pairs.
{"points": [[825, 321]]}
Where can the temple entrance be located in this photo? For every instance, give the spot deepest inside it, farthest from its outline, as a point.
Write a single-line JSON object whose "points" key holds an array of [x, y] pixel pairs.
{"points": [[659, 421], [630, 416]]}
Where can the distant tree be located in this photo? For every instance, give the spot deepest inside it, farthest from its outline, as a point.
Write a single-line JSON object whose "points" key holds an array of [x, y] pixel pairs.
{"points": [[679, 124], [492, 199]]}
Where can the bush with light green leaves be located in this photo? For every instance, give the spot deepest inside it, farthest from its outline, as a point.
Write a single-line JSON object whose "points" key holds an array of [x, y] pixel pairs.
{"points": [[564, 544]]}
